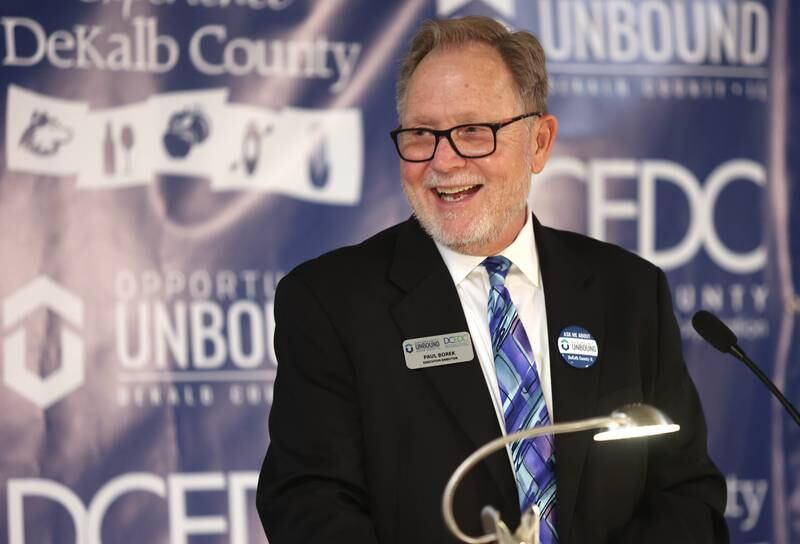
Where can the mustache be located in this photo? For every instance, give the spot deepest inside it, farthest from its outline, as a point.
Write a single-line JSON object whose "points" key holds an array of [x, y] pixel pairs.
{"points": [[434, 180]]}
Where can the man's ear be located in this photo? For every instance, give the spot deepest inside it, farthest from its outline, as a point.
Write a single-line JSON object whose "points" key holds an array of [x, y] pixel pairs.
{"points": [[542, 142]]}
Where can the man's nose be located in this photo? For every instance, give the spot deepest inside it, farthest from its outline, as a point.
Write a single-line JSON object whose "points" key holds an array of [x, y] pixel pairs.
{"points": [[446, 159]]}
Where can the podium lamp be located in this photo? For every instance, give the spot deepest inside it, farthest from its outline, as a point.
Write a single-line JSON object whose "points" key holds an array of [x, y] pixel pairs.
{"points": [[630, 421]]}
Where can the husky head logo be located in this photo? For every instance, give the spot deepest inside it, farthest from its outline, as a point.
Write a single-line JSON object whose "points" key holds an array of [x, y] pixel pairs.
{"points": [[45, 134]]}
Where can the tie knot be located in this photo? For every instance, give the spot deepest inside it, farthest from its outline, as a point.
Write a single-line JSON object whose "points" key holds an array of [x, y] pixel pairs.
{"points": [[497, 266]]}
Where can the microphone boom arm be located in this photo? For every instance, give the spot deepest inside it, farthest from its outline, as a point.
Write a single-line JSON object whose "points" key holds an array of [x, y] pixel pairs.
{"points": [[712, 329], [737, 352]]}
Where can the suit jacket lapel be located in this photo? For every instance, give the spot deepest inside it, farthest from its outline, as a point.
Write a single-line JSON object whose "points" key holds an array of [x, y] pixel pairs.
{"points": [[432, 307], [571, 299]]}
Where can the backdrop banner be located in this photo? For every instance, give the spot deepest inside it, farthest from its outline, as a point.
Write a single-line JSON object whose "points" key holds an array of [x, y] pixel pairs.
{"points": [[165, 162]]}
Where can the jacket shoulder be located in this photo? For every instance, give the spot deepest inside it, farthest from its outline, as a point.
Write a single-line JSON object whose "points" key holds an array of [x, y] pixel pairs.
{"points": [[604, 257], [363, 260]]}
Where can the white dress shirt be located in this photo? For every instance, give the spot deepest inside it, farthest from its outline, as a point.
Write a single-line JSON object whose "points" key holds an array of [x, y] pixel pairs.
{"points": [[524, 283]]}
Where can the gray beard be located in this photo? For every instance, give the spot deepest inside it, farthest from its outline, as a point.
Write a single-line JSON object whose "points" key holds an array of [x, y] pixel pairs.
{"points": [[483, 231]]}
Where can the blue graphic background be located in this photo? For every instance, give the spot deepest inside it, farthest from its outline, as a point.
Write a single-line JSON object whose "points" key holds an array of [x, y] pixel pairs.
{"points": [[182, 438]]}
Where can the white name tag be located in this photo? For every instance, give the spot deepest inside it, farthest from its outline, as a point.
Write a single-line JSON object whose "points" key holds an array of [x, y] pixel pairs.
{"points": [[446, 349]]}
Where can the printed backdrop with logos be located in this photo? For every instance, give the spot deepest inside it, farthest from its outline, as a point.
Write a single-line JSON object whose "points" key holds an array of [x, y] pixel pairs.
{"points": [[165, 162]]}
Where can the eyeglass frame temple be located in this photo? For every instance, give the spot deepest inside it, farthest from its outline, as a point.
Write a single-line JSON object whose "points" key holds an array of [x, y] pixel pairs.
{"points": [[447, 133]]}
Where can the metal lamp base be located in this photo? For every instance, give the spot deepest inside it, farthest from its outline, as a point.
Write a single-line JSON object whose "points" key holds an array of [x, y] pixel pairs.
{"points": [[526, 533]]}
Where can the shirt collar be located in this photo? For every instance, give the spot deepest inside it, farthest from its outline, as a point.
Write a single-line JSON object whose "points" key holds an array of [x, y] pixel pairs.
{"points": [[521, 252]]}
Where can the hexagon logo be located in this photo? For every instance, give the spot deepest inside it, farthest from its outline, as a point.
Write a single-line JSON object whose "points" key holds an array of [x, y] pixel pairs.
{"points": [[43, 292]]}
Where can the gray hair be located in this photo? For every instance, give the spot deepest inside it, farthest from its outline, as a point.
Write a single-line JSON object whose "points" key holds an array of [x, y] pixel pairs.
{"points": [[521, 52]]}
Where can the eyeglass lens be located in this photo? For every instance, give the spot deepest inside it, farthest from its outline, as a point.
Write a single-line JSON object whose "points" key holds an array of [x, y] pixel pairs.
{"points": [[470, 141]]}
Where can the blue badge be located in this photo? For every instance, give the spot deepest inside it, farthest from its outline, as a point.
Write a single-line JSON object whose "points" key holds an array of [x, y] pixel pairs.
{"points": [[577, 347]]}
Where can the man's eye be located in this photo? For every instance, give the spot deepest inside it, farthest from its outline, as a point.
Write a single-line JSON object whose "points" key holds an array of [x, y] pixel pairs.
{"points": [[474, 132]]}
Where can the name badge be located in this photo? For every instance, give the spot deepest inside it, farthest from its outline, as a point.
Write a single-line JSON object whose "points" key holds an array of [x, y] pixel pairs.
{"points": [[446, 349]]}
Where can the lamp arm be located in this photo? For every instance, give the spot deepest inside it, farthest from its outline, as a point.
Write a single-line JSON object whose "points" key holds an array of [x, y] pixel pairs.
{"points": [[499, 443]]}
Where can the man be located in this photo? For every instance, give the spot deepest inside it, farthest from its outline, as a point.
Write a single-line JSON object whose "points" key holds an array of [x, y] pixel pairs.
{"points": [[365, 432]]}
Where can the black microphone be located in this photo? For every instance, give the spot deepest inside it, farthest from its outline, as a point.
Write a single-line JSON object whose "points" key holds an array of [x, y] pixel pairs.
{"points": [[717, 333]]}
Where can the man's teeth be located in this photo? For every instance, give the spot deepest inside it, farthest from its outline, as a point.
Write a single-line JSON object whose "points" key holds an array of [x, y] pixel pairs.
{"points": [[454, 193], [454, 190]]}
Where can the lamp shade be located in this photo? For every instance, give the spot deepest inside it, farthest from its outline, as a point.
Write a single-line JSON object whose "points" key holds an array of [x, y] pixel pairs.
{"points": [[637, 420]]}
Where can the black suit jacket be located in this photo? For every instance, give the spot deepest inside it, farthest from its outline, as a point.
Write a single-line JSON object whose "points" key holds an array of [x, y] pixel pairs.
{"points": [[361, 446]]}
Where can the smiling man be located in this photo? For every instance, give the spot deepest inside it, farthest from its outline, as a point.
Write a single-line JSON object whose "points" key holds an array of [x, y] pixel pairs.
{"points": [[400, 356], [471, 194]]}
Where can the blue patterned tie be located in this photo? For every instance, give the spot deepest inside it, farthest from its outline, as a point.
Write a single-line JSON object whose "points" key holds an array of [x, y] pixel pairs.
{"points": [[523, 401]]}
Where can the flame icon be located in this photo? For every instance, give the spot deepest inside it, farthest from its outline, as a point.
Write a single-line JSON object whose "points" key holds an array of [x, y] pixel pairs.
{"points": [[318, 168]]}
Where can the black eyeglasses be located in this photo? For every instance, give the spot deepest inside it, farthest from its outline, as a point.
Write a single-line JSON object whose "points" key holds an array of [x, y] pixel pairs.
{"points": [[471, 141]]}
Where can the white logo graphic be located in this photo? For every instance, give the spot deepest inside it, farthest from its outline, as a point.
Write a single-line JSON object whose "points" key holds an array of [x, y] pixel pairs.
{"points": [[703, 198], [720, 34], [42, 133], [746, 499], [446, 7], [195, 337], [657, 49], [141, 47], [43, 391], [314, 155], [172, 491]]}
